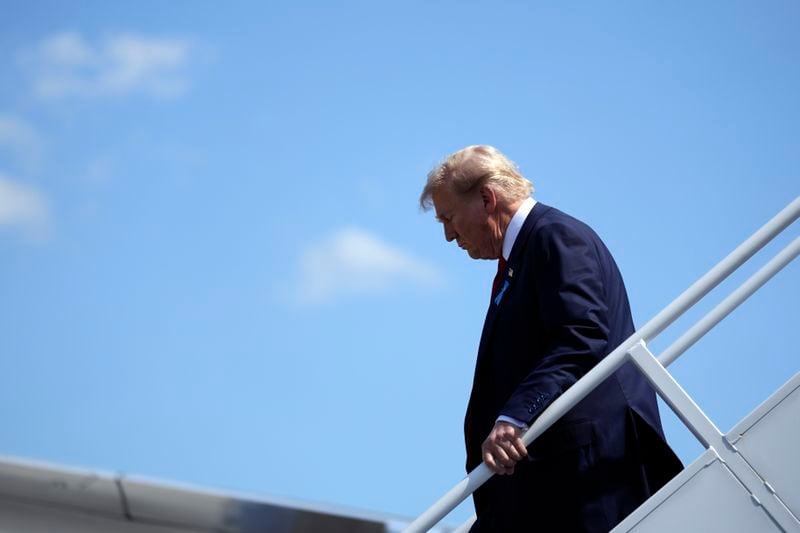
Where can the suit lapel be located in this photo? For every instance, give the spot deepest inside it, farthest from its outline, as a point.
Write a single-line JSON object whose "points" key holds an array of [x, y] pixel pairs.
{"points": [[513, 266]]}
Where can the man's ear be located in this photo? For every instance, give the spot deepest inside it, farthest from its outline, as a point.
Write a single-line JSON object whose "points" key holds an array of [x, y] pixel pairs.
{"points": [[489, 199]]}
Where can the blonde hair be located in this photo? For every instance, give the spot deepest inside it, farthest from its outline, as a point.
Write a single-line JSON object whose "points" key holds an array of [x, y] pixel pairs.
{"points": [[472, 167]]}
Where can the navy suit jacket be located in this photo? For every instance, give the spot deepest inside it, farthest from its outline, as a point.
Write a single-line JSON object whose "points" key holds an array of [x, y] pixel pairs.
{"points": [[564, 307]]}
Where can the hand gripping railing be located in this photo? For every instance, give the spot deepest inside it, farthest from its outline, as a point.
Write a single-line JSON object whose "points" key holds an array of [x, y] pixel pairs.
{"points": [[634, 349]]}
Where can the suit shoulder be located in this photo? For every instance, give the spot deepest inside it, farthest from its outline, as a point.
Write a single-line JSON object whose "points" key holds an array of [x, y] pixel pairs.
{"points": [[554, 223]]}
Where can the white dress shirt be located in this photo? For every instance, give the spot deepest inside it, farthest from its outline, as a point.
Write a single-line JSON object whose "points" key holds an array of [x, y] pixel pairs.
{"points": [[516, 225]]}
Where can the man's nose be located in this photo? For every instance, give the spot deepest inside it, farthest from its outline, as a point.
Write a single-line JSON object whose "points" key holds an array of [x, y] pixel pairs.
{"points": [[449, 233]]}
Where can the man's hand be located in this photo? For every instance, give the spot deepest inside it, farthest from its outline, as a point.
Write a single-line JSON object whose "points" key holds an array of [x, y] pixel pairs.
{"points": [[503, 448]]}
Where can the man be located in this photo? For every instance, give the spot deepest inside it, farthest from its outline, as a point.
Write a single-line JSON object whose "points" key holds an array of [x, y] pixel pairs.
{"points": [[558, 306]]}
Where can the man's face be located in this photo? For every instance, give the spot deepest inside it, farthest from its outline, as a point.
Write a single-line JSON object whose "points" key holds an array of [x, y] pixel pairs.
{"points": [[467, 220]]}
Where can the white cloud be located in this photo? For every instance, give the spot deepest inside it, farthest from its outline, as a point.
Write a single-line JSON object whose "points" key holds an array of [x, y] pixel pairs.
{"points": [[67, 48], [355, 261], [66, 64], [22, 207], [20, 138]]}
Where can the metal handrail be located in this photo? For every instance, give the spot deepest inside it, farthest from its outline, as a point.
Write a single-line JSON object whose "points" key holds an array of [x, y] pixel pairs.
{"points": [[619, 356], [726, 306]]}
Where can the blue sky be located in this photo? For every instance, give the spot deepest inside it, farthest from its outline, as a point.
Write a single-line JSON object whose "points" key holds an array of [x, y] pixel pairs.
{"points": [[213, 268]]}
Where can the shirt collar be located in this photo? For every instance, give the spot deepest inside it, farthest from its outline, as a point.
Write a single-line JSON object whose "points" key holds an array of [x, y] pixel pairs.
{"points": [[515, 225]]}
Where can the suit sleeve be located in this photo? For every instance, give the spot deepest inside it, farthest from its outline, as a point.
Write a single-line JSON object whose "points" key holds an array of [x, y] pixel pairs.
{"points": [[570, 301]]}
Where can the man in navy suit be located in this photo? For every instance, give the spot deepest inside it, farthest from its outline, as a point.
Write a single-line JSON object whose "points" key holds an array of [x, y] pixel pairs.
{"points": [[557, 307]]}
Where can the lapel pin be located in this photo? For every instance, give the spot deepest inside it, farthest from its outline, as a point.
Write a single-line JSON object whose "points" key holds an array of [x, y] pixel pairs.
{"points": [[510, 272]]}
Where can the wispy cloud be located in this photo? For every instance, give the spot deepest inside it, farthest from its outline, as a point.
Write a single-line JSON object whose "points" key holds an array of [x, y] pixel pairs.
{"points": [[19, 138], [98, 170], [66, 64], [22, 207], [354, 261]]}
